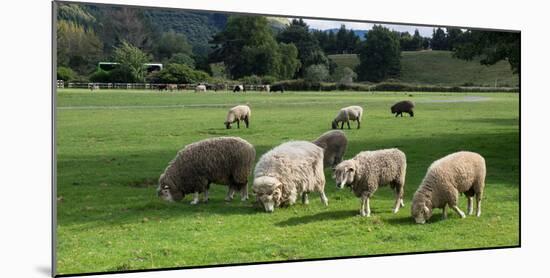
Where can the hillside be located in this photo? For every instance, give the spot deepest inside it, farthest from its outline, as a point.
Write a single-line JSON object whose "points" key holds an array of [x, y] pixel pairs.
{"points": [[440, 68]]}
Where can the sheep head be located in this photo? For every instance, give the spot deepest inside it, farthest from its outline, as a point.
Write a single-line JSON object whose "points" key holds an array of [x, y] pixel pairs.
{"points": [[334, 125], [168, 191], [268, 192], [420, 211], [227, 125], [344, 173]]}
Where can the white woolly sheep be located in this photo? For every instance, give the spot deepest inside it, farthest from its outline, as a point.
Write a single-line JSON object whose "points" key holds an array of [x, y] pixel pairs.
{"points": [[460, 172], [353, 113], [334, 143], [223, 160], [200, 88], [370, 169], [287, 171], [237, 114]]}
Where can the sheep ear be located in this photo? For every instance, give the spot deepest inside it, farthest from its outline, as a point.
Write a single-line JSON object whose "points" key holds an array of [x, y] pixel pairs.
{"points": [[426, 210], [351, 170]]}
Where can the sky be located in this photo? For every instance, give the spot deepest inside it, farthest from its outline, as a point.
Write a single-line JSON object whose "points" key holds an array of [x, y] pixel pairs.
{"points": [[330, 24]]}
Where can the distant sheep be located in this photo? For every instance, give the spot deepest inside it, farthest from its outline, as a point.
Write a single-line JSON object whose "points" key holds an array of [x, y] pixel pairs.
{"points": [[237, 114], [223, 160], [334, 144], [238, 88], [370, 169], [288, 171], [353, 113], [401, 107], [171, 87], [460, 172], [200, 88], [93, 86], [264, 88]]}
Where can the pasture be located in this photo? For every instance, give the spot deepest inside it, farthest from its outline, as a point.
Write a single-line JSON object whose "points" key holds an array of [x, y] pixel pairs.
{"points": [[438, 67], [113, 145]]}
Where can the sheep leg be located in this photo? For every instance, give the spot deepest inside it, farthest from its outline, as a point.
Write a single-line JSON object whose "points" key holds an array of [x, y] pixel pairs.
{"points": [[365, 206], [238, 121], [305, 199], [342, 127], [195, 198], [457, 210], [230, 194], [246, 121], [398, 197], [349, 127], [324, 198], [470, 205], [445, 212], [358, 124], [244, 193], [205, 196], [478, 204]]}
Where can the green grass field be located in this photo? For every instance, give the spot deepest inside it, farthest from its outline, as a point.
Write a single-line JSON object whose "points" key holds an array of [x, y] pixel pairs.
{"points": [[440, 68], [113, 145]]}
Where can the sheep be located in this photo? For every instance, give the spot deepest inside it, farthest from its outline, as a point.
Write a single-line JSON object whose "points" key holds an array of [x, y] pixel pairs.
{"points": [[200, 88], [334, 143], [403, 106], [346, 114], [265, 88], [237, 114], [238, 88], [223, 160], [370, 169], [171, 87], [93, 86], [460, 172], [287, 171]]}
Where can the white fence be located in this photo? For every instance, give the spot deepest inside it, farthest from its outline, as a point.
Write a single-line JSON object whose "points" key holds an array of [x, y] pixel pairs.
{"points": [[151, 86]]}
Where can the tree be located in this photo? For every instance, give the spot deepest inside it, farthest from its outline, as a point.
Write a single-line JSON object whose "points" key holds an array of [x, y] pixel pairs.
{"points": [[125, 24], [65, 74], [315, 74], [490, 47], [454, 37], [247, 47], [77, 47], [132, 61], [344, 76], [171, 43], [183, 74], [290, 64], [182, 58], [309, 51], [417, 40], [380, 56], [439, 40]]}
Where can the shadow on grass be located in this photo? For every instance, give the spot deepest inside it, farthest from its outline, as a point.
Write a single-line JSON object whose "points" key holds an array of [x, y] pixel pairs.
{"points": [[323, 216], [409, 221]]}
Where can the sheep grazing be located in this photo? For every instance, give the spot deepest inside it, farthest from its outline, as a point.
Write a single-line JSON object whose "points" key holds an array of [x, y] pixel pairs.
{"points": [[401, 107], [353, 113], [334, 143], [93, 87], [370, 169], [200, 88], [238, 88], [289, 170], [460, 172], [264, 88], [237, 114], [223, 160]]}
